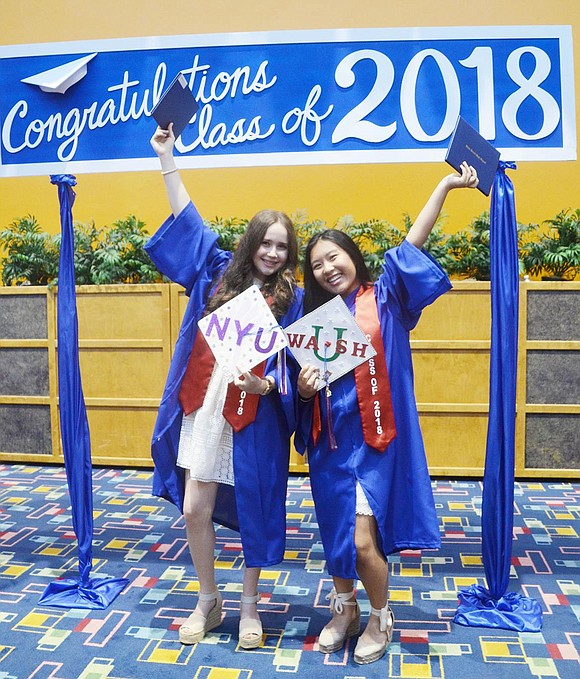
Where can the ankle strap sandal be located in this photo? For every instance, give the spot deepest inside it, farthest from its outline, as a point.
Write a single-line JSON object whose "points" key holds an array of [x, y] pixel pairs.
{"points": [[338, 600], [250, 599], [250, 631], [369, 651], [386, 619]]}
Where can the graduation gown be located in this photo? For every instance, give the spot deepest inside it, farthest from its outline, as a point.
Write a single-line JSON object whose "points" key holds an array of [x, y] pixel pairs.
{"points": [[186, 251], [396, 482]]}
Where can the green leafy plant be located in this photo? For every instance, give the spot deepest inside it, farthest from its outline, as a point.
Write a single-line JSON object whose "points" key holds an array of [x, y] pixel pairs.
{"points": [[469, 250], [229, 230], [437, 243], [101, 256], [30, 255], [86, 237], [119, 255], [373, 237], [557, 252], [376, 236], [305, 228]]}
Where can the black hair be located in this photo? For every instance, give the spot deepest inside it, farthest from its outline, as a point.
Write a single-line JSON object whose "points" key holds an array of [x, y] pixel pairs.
{"points": [[314, 294]]}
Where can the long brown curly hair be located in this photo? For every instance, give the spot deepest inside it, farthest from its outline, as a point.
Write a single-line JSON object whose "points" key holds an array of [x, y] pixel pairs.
{"points": [[239, 275]]}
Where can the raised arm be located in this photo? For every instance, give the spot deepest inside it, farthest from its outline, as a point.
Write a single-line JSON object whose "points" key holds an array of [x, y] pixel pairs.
{"points": [[162, 143], [426, 219]]}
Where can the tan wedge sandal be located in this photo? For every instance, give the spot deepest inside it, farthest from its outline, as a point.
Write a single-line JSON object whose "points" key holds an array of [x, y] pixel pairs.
{"points": [[197, 626], [369, 651], [330, 640], [250, 634]]}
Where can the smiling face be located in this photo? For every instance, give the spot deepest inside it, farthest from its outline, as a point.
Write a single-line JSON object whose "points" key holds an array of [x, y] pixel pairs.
{"points": [[333, 269], [272, 253]]}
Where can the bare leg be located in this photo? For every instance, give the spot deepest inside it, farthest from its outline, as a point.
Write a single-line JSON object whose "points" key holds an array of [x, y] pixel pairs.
{"points": [[250, 588], [250, 631], [197, 510], [373, 570]]}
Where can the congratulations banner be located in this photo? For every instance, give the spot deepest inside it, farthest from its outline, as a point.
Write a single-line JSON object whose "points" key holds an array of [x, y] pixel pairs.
{"points": [[289, 98]]}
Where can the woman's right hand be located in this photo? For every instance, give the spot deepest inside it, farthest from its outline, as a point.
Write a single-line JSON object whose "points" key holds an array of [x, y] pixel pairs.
{"points": [[308, 381], [162, 141]]}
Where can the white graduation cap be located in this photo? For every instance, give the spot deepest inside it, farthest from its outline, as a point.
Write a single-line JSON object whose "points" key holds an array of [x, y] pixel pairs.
{"points": [[330, 339], [62, 77], [242, 332]]}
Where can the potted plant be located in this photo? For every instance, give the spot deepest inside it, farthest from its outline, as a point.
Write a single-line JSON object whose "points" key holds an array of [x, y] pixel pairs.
{"points": [[30, 255], [556, 255], [101, 256], [229, 230], [373, 238], [437, 243], [469, 249], [119, 255], [305, 228]]}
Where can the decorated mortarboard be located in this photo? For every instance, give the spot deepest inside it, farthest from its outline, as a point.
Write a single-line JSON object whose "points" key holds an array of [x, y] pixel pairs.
{"points": [[330, 339], [242, 332], [176, 105]]}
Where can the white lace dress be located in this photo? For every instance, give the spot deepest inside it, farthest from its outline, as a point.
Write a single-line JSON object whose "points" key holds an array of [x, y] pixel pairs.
{"points": [[206, 442], [362, 504]]}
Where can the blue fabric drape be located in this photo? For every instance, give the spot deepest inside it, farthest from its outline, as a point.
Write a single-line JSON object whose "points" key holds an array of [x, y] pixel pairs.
{"points": [[84, 592], [493, 606]]}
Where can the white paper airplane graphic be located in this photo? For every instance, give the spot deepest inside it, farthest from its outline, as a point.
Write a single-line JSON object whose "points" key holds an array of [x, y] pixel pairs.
{"points": [[59, 79]]}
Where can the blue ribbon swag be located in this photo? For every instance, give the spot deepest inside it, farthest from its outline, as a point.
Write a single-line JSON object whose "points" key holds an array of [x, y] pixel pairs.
{"points": [[85, 592], [492, 606]]}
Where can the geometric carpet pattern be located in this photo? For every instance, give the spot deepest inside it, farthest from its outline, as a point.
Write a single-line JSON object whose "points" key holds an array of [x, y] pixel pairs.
{"points": [[141, 538]]}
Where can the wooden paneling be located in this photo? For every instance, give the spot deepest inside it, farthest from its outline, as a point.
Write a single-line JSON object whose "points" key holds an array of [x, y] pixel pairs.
{"points": [[127, 335]]}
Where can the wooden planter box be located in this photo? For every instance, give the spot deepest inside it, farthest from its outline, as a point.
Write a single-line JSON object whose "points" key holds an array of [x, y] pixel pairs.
{"points": [[126, 335]]}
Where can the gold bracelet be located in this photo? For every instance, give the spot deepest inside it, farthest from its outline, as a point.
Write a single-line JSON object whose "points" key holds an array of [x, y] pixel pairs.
{"points": [[164, 172]]}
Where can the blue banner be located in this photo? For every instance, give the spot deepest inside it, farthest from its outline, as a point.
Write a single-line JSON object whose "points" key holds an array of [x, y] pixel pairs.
{"points": [[286, 98], [84, 592], [492, 605]]}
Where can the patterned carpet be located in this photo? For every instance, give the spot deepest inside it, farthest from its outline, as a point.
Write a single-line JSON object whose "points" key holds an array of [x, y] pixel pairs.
{"points": [[142, 538]]}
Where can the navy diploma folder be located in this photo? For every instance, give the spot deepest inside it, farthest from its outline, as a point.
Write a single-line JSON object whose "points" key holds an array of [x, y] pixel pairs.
{"points": [[468, 145], [176, 105]]}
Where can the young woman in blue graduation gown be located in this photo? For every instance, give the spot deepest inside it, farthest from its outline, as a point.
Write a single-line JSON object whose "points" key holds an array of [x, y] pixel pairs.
{"points": [[245, 489], [367, 463]]}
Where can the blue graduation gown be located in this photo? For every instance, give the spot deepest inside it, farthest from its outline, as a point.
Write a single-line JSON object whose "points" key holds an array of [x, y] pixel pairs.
{"points": [[396, 482], [186, 251]]}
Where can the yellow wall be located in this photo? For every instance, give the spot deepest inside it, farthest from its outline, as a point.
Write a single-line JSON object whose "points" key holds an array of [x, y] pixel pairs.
{"points": [[326, 192]]}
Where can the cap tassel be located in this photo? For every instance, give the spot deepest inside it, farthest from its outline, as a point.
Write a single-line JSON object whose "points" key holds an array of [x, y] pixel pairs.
{"points": [[328, 394], [281, 372]]}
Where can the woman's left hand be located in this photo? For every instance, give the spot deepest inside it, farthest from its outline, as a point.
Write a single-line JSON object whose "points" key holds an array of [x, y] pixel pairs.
{"points": [[308, 380], [250, 383]]}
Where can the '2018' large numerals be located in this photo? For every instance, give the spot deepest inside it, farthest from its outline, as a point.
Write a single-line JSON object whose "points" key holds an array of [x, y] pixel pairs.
{"points": [[355, 125]]}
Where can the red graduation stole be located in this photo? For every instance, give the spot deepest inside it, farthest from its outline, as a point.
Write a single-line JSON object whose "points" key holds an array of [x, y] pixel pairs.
{"points": [[373, 390], [240, 407]]}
